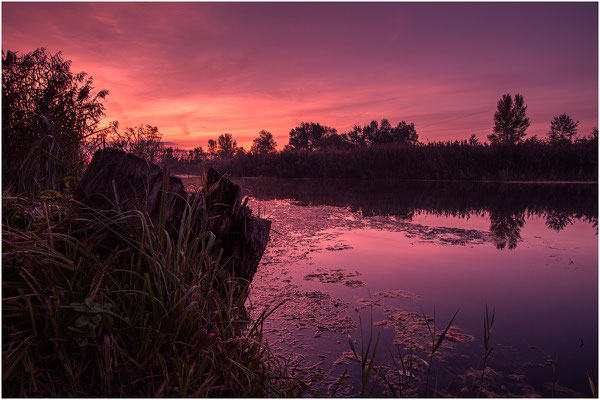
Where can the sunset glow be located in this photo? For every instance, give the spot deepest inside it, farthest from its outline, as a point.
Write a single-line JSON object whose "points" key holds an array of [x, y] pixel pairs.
{"points": [[197, 70]]}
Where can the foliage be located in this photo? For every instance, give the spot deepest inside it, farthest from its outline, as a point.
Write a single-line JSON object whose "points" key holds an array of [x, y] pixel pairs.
{"points": [[510, 120], [384, 133], [562, 129], [212, 147], [309, 136], [264, 143], [473, 140], [144, 141], [227, 146], [455, 160], [102, 304], [47, 111]]}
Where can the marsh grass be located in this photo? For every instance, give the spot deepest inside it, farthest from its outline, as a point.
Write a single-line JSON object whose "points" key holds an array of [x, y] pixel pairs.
{"points": [[367, 359], [488, 324], [104, 304]]}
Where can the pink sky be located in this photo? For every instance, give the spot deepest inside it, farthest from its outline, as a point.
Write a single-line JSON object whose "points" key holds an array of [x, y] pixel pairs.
{"points": [[197, 70]]}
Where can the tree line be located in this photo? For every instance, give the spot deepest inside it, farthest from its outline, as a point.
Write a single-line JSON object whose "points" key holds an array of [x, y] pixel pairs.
{"points": [[51, 127]]}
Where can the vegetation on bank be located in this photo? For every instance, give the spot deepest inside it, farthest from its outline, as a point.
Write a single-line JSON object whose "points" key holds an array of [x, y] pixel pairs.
{"points": [[102, 304], [432, 161], [106, 303]]}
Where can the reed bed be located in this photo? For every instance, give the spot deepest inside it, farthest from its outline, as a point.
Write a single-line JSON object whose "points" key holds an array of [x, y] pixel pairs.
{"points": [[432, 161], [104, 304]]}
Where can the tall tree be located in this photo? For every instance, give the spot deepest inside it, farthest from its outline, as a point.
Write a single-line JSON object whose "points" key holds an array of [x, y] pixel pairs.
{"points": [[47, 114], [309, 136], [562, 129], [212, 147], [510, 120], [264, 143], [227, 146]]}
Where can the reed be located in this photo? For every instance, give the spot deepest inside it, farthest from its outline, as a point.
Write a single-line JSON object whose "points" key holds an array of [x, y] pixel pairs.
{"points": [[104, 304], [488, 324], [537, 161]]}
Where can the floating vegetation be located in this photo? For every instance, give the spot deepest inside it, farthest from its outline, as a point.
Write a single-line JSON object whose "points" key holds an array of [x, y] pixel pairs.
{"points": [[411, 331], [337, 275], [398, 293]]}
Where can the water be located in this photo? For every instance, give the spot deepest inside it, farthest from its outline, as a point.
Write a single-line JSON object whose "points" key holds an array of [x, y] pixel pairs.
{"points": [[389, 254]]}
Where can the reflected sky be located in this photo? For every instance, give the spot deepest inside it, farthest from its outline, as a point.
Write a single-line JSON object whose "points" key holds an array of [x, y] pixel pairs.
{"points": [[529, 251]]}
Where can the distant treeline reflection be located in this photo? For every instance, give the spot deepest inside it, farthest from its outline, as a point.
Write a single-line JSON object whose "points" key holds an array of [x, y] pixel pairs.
{"points": [[507, 204]]}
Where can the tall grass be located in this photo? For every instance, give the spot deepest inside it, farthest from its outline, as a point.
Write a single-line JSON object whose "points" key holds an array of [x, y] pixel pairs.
{"points": [[488, 324], [433, 161], [103, 304]]}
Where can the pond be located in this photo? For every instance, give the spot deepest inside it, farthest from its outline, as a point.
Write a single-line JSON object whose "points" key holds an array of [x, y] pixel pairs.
{"points": [[399, 258]]}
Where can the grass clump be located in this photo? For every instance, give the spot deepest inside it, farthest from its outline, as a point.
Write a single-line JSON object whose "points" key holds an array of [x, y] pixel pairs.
{"points": [[102, 304]]}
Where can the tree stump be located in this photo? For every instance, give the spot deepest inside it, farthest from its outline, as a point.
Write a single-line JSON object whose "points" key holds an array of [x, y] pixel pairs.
{"points": [[121, 181]]}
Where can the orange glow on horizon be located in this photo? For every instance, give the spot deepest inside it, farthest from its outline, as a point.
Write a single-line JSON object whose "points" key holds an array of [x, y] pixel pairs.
{"points": [[198, 70]]}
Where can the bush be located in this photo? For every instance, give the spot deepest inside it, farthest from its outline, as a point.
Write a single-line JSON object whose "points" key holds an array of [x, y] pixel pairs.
{"points": [[47, 111]]}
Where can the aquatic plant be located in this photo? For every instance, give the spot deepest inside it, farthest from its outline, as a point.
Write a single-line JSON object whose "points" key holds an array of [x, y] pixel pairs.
{"points": [[366, 358], [436, 342], [488, 324]]}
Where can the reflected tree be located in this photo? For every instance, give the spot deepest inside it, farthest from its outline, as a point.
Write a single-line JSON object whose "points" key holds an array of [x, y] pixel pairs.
{"points": [[506, 229], [557, 220]]}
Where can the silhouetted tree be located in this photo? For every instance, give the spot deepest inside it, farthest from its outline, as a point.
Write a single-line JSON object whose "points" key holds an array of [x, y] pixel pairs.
{"points": [[227, 146], [382, 133], [562, 129], [264, 143], [473, 140], [143, 141], [212, 147], [510, 120], [309, 136], [168, 155], [534, 140], [356, 137], [197, 154], [47, 112]]}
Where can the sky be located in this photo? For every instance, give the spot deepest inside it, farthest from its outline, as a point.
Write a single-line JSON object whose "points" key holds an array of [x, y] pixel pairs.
{"points": [[198, 70]]}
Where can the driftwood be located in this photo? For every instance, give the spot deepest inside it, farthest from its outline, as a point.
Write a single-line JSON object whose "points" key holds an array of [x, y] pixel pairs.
{"points": [[117, 180]]}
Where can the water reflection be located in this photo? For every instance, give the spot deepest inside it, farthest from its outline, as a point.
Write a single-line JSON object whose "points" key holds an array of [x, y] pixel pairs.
{"points": [[507, 204], [506, 229]]}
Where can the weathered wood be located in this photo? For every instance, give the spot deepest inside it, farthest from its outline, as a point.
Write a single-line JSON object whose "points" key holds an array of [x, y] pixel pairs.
{"points": [[242, 238], [117, 180], [121, 181]]}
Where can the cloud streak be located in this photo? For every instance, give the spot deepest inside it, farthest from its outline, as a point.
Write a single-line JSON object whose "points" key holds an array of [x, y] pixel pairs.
{"points": [[197, 70]]}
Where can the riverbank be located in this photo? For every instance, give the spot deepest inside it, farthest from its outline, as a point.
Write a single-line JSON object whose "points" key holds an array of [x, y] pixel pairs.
{"points": [[454, 161], [108, 303]]}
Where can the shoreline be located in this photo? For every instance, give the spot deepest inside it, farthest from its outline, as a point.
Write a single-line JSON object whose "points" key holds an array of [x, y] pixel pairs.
{"points": [[188, 176]]}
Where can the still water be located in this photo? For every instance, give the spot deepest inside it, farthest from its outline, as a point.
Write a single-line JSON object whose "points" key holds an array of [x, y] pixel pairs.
{"points": [[393, 257]]}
